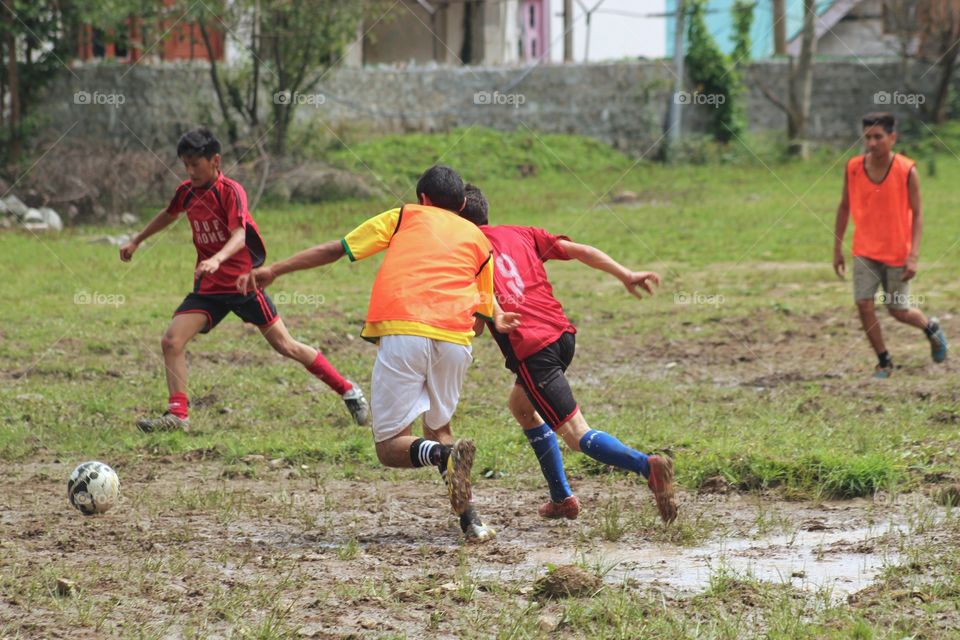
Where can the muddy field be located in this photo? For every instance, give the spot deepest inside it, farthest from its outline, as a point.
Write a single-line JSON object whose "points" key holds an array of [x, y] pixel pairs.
{"points": [[198, 549]]}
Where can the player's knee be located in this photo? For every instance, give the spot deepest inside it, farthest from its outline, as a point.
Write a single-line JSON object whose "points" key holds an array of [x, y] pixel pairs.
{"points": [[169, 343], [899, 314], [865, 305]]}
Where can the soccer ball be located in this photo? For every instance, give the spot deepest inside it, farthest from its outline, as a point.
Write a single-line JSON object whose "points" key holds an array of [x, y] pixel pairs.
{"points": [[93, 487]]}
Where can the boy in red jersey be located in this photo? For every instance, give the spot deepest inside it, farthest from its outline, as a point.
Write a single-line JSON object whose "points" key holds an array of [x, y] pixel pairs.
{"points": [[881, 191], [542, 347], [228, 245]]}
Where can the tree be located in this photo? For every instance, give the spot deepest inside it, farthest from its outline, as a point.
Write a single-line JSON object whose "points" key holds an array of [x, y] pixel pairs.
{"points": [[36, 39], [289, 46], [929, 33], [713, 74], [799, 85]]}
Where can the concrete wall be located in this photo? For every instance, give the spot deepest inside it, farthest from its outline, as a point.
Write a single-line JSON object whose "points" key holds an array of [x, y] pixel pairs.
{"points": [[622, 104]]}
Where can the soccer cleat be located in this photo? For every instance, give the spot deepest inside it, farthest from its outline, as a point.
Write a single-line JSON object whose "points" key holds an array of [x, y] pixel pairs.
{"points": [[459, 465], [479, 532], [568, 508], [661, 483], [938, 343], [357, 404], [166, 422], [473, 528], [882, 372]]}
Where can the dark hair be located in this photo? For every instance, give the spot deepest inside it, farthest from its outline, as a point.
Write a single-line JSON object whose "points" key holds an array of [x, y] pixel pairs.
{"points": [[443, 186], [882, 118], [477, 210], [198, 142]]}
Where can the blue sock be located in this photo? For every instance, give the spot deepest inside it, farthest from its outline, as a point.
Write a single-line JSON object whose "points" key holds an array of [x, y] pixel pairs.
{"points": [[544, 444], [604, 448]]}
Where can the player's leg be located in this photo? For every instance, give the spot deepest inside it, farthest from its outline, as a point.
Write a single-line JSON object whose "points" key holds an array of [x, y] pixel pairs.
{"points": [[562, 504], [258, 309], [194, 316], [867, 278], [448, 365], [399, 395], [898, 304], [544, 379], [276, 333]]}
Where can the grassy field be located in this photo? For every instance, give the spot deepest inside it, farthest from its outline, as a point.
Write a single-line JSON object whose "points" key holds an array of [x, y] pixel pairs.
{"points": [[748, 367]]}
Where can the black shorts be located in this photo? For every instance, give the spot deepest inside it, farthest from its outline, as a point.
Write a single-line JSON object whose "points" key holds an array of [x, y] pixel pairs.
{"points": [[542, 377], [256, 308]]}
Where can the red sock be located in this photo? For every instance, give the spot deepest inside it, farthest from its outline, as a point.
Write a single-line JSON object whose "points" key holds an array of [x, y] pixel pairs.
{"points": [[325, 371], [178, 405]]}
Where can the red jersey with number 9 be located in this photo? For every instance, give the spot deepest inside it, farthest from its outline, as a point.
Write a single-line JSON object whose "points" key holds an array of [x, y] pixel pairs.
{"points": [[521, 285], [214, 212]]}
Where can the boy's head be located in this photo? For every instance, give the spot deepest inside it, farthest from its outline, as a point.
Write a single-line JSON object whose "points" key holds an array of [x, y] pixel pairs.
{"points": [[879, 132], [199, 150], [441, 186], [477, 210]]}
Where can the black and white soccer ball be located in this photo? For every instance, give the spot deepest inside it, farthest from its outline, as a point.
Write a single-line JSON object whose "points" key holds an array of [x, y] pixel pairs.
{"points": [[93, 487]]}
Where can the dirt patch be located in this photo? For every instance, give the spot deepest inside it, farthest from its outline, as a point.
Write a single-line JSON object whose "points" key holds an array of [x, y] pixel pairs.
{"points": [[567, 581]]}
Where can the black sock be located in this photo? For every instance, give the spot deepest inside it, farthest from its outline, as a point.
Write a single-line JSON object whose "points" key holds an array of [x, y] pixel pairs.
{"points": [[427, 453], [469, 517], [932, 327], [884, 359]]}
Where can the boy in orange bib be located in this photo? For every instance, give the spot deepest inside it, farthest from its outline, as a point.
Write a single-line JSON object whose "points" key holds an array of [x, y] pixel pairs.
{"points": [[881, 191]]}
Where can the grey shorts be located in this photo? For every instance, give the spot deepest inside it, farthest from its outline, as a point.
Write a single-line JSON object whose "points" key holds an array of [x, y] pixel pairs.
{"points": [[869, 275]]}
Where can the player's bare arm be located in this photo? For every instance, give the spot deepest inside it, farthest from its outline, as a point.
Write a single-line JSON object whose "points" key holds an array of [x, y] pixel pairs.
{"points": [[159, 222], [234, 244], [839, 230], [597, 259], [317, 256], [913, 192]]}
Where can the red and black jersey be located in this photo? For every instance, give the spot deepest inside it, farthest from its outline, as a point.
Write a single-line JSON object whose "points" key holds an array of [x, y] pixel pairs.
{"points": [[521, 286], [214, 212]]}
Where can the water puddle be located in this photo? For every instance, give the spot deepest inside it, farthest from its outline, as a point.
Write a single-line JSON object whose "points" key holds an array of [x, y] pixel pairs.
{"points": [[838, 561]]}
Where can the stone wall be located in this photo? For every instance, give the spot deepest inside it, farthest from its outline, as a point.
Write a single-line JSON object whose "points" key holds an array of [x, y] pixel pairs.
{"points": [[624, 104]]}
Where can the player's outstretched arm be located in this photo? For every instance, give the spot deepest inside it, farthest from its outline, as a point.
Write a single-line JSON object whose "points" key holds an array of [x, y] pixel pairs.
{"points": [[597, 259], [839, 230], [159, 222], [308, 259]]}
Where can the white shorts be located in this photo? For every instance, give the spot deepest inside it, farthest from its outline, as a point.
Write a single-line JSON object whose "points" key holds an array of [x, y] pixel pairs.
{"points": [[412, 376]]}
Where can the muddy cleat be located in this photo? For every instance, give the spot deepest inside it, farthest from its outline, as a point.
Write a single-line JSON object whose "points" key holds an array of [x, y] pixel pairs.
{"points": [[568, 508], [938, 341], [479, 532], [166, 422], [473, 528], [661, 483], [882, 372], [459, 465], [357, 404]]}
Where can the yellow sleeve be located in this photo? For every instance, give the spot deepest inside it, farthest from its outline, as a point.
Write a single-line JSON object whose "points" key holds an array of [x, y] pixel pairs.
{"points": [[372, 236], [485, 286]]}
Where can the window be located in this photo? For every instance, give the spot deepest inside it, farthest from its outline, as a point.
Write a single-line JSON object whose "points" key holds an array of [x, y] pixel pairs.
{"points": [[533, 16]]}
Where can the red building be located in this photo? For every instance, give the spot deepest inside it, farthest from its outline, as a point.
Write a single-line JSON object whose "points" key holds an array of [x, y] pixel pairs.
{"points": [[169, 37]]}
